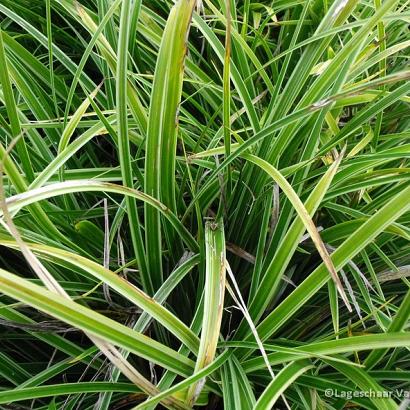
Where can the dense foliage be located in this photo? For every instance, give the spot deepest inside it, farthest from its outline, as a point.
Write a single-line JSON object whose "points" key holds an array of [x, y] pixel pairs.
{"points": [[204, 204]]}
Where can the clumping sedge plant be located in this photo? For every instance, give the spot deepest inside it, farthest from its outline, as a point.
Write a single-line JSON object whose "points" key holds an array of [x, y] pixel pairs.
{"points": [[204, 204]]}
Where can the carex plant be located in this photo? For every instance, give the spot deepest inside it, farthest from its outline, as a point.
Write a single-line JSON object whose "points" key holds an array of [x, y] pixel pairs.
{"points": [[204, 204]]}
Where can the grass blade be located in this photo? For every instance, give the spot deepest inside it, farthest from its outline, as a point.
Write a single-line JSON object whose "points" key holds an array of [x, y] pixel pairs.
{"points": [[214, 292]]}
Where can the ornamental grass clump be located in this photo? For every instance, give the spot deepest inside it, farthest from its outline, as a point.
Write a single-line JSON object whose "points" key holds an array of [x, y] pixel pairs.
{"points": [[204, 204]]}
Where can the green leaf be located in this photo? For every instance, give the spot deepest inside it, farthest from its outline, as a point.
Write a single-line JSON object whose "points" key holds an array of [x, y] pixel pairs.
{"points": [[92, 322], [280, 383], [214, 291], [162, 128], [393, 209]]}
